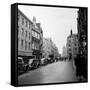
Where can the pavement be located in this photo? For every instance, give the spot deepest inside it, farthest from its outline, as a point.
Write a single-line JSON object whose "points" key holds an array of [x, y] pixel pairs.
{"points": [[58, 72]]}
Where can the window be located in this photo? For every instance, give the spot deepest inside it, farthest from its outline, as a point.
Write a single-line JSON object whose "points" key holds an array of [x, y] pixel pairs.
{"points": [[29, 45], [22, 31], [69, 41], [35, 34], [29, 25], [26, 23], [69, 49], [37, 47], [32, 33], [25, 44], [32, 45], [29, 35], [26, 33], [75, 44], [75, 49], [22, 43], [38, 36], [69, 45], [22, 21]]}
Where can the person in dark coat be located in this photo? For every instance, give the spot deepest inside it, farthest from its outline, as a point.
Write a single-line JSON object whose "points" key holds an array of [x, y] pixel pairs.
{"points": [[79, 66]]}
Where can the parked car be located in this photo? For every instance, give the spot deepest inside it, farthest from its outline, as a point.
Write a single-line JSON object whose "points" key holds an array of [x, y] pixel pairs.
{"points": [[35, 64], [44, 61], [26, 67], [20, 65], [30, 64]]}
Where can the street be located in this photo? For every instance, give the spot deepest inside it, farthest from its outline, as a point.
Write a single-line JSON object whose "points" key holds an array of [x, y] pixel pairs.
{"points": [[57, 72]]}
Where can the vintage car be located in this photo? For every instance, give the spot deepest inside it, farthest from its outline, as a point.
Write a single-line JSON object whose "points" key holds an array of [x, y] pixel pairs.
{"points": [[34, 64], [21, 67]]}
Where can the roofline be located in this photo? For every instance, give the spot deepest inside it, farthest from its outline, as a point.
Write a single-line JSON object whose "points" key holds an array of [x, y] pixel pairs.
{"points": [[25, 16], [72, 35]]}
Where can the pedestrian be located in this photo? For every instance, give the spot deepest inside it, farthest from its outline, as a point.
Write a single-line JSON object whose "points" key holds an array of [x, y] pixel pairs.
{"points": [[79, 67]]}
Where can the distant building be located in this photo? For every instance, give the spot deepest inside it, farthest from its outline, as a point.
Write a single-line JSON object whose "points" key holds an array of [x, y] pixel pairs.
{"points": [[72, 45], [55, 51], [46, 47], [64, 53], [49, 48], [30, 36]]}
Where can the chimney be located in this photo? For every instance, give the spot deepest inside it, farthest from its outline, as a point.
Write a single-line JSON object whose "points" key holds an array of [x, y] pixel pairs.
{"points": [[38, 24], [71, 32], [34, 19]]}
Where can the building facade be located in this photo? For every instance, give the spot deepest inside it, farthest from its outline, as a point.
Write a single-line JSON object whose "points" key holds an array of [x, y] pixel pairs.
{"points": [[72, 45], [30, 36], [82, 38], [82, 32], [49, 48], [64, 52]]}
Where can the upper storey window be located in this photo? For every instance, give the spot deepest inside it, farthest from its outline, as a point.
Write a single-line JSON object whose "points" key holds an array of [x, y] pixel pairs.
{"points": [[22, 21]]}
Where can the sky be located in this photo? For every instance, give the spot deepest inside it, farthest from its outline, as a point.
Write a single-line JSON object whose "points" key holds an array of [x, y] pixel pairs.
{"points": [[56, 22]]}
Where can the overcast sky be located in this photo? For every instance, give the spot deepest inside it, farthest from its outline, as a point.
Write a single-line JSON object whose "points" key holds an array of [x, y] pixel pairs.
{"points": [[56, 23]]}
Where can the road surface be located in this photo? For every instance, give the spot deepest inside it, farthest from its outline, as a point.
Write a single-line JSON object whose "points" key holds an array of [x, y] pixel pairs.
{"points": [[57, 72]]}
